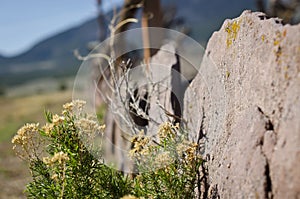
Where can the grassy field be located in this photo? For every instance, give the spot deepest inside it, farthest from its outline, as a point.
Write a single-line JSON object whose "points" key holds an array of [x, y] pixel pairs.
{"points": [[18, 110], [15, 111]]}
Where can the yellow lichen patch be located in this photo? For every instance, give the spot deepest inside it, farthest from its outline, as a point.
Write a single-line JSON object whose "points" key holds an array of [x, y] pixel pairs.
{"points": [[286, 76], [285, 69], [227, 74], [276, 42], [284, 33], [232, 30], [278, 38], [263, 37]]}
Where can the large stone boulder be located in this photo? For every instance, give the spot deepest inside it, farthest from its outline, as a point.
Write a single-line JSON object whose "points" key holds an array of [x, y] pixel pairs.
{"points": [[244, 107]]}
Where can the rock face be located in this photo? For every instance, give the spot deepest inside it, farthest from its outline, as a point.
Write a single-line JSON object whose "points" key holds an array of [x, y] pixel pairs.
{"points": [[244, 107]]}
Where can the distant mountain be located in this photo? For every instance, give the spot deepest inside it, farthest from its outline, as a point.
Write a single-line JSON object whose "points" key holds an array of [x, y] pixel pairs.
{"points": [[51, 57], [61, 44], [54, 56], [2, 58]]}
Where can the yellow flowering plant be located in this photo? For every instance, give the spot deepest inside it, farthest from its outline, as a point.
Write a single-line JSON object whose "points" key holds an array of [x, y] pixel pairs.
{"points": [[66, 160], [62, 157], [166, 164]]}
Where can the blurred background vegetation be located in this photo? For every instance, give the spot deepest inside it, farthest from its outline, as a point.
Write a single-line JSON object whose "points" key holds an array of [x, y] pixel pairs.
{"points": [[42, 76]]}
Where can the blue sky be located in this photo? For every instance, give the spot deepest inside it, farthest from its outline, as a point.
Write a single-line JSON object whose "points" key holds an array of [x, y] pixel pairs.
{"points": [[26, 22]]}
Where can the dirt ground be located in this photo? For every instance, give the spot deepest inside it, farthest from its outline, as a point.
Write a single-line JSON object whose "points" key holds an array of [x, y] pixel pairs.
{"points": [[14, 173]]}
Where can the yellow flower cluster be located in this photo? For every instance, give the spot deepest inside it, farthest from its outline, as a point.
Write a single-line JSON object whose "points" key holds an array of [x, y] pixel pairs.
{"points": [[48, 128], [163, 159], [55, 177], [187, 149], [59, 158], [56, 119], [167, 130], [25, 134], [69, 107], [79, 104], [140, 145], [171, 145], [89, 126], [191, 152], [26, 141]]}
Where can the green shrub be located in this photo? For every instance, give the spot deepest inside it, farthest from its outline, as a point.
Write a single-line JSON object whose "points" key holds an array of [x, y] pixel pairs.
{"points": [[167, 166], [66, 162]]}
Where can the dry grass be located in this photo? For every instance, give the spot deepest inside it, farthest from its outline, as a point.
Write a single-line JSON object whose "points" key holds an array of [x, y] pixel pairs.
{"points": [[19, 110]]}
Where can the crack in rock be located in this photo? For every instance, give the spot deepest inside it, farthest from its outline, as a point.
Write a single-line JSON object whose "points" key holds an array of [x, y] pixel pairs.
{"points": [[268, 181]]}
